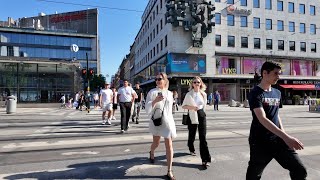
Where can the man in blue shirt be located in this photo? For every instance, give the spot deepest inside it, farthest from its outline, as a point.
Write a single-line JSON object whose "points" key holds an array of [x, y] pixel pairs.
{"points": [[268, 138]]}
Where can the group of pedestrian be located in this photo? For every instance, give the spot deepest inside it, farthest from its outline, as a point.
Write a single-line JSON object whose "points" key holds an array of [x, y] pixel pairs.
{"points": [[267, 140]]}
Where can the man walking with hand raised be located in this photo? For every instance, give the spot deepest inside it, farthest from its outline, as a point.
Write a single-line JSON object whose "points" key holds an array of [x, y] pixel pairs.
{"points": [[268, 138]]}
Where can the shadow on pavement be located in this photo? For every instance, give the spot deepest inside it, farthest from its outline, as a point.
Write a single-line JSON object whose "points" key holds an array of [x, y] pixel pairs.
{"points": [[132, 168]]}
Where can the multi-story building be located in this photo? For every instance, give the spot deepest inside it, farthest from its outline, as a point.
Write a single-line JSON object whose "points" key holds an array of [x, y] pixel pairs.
{"points": [[246, 34], [36, 62]]}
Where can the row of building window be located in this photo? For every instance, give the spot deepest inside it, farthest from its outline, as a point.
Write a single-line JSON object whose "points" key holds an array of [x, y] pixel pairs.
{"points": [[20, 38], [269, 44], [268, 24], [153, 52], [148, 23], [268, 5], [65, 54]]}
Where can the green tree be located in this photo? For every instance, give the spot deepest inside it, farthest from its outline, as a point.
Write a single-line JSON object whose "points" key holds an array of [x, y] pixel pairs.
{"points": [[97, 82]]}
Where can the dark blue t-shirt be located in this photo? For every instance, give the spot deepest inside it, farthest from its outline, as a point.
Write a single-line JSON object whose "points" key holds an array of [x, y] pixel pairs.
{"points": [[269, 101]]}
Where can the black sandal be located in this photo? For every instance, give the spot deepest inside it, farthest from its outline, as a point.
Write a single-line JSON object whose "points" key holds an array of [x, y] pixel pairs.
{"points": [[151, 159], [170, 175]]}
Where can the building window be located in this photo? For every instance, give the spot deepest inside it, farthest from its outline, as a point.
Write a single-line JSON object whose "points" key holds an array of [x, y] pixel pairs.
{"points": [[256, 3], [160, 4], [154, 51], [280, 25], [218, 40], [269, 44], [244, 21], [291, 26], [157, 48], [313, 47], [268, 24], [231, 41], [292, 45], [280, 5], [256, 42], [244, 42], [218, 18], [161, 45], [230, 1], [157, 29], [256, 23], [312, 10], [291, 7], [268, 4], [302, 9], [157, 9], [217, 0], [230, 19], [313, 29], [303, 47], [302, 28], [166, 41], [161, 26], [154, 15], [243, 3], [281, 45]]}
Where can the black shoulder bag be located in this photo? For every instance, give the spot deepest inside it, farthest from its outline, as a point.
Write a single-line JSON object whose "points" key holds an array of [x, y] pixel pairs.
{"points": [[158, 121]]}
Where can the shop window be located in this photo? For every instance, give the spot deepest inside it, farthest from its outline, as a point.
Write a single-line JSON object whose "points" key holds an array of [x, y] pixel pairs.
{"points": [[226, 65]]}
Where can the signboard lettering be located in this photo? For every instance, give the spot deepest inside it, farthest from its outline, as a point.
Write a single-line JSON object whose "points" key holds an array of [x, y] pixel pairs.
{"points": [[229, 71], [234, 10], [185, 82]]}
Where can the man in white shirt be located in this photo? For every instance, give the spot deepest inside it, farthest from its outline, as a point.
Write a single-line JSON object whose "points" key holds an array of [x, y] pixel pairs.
{"points": [[106, 96], [126, 96]]}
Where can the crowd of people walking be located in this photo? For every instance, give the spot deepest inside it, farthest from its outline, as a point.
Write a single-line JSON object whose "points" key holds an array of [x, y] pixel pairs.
{"points": [[268, 139]]}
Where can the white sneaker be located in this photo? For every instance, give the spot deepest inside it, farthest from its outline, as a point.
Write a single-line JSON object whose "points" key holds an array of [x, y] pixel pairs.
{"points": [[103, 122], [114, 118], [109, 122]]}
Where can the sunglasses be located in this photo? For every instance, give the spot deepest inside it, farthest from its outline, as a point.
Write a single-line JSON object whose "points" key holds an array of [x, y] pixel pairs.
{"points": [[158, 79], [196, 82]]}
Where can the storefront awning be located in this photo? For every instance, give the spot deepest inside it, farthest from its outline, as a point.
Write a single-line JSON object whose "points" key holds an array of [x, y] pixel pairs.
{"points": [[299, 86]]}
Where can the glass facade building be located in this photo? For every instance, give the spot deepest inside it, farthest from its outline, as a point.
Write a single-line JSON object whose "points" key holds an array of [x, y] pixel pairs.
{"points": [[38, 66]]}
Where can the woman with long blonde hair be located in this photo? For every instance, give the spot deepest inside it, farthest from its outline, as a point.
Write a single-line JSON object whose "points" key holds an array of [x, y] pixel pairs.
{"points": [[195, 102], [159, 105]]}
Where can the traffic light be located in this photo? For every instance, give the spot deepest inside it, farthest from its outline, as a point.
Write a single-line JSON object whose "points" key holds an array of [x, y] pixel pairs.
{"points": [[84, 73], [91, 74]]}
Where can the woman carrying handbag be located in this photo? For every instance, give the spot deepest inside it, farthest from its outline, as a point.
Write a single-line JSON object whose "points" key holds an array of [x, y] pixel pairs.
{"points": [[195, 102], [159, 108]]}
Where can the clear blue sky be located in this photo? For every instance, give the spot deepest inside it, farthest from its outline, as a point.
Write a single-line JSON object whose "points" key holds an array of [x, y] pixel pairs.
{"points": [[117, 29]]}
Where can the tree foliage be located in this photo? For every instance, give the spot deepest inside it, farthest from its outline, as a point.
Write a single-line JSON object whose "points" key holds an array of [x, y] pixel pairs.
{"points": [[97, 82]]}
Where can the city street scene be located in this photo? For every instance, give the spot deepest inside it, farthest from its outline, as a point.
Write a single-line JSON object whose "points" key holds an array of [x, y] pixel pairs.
{"points": [[50, 143], [160, 89]]}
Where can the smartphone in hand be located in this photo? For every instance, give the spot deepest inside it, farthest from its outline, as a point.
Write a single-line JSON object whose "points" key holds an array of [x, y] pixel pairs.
{"points": [[159, 93]]}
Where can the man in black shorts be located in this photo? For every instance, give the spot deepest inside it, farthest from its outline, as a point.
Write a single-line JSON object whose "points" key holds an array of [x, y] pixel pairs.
{"points": [[268, 138]]}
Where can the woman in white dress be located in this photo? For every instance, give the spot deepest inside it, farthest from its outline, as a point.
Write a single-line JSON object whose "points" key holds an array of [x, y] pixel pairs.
{"points": [[158, 99]]}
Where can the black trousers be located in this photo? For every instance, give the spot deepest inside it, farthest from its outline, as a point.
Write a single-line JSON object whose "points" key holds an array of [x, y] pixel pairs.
{"points": [[262, 154], [125, 109], [216, 105], [202, 130]]}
